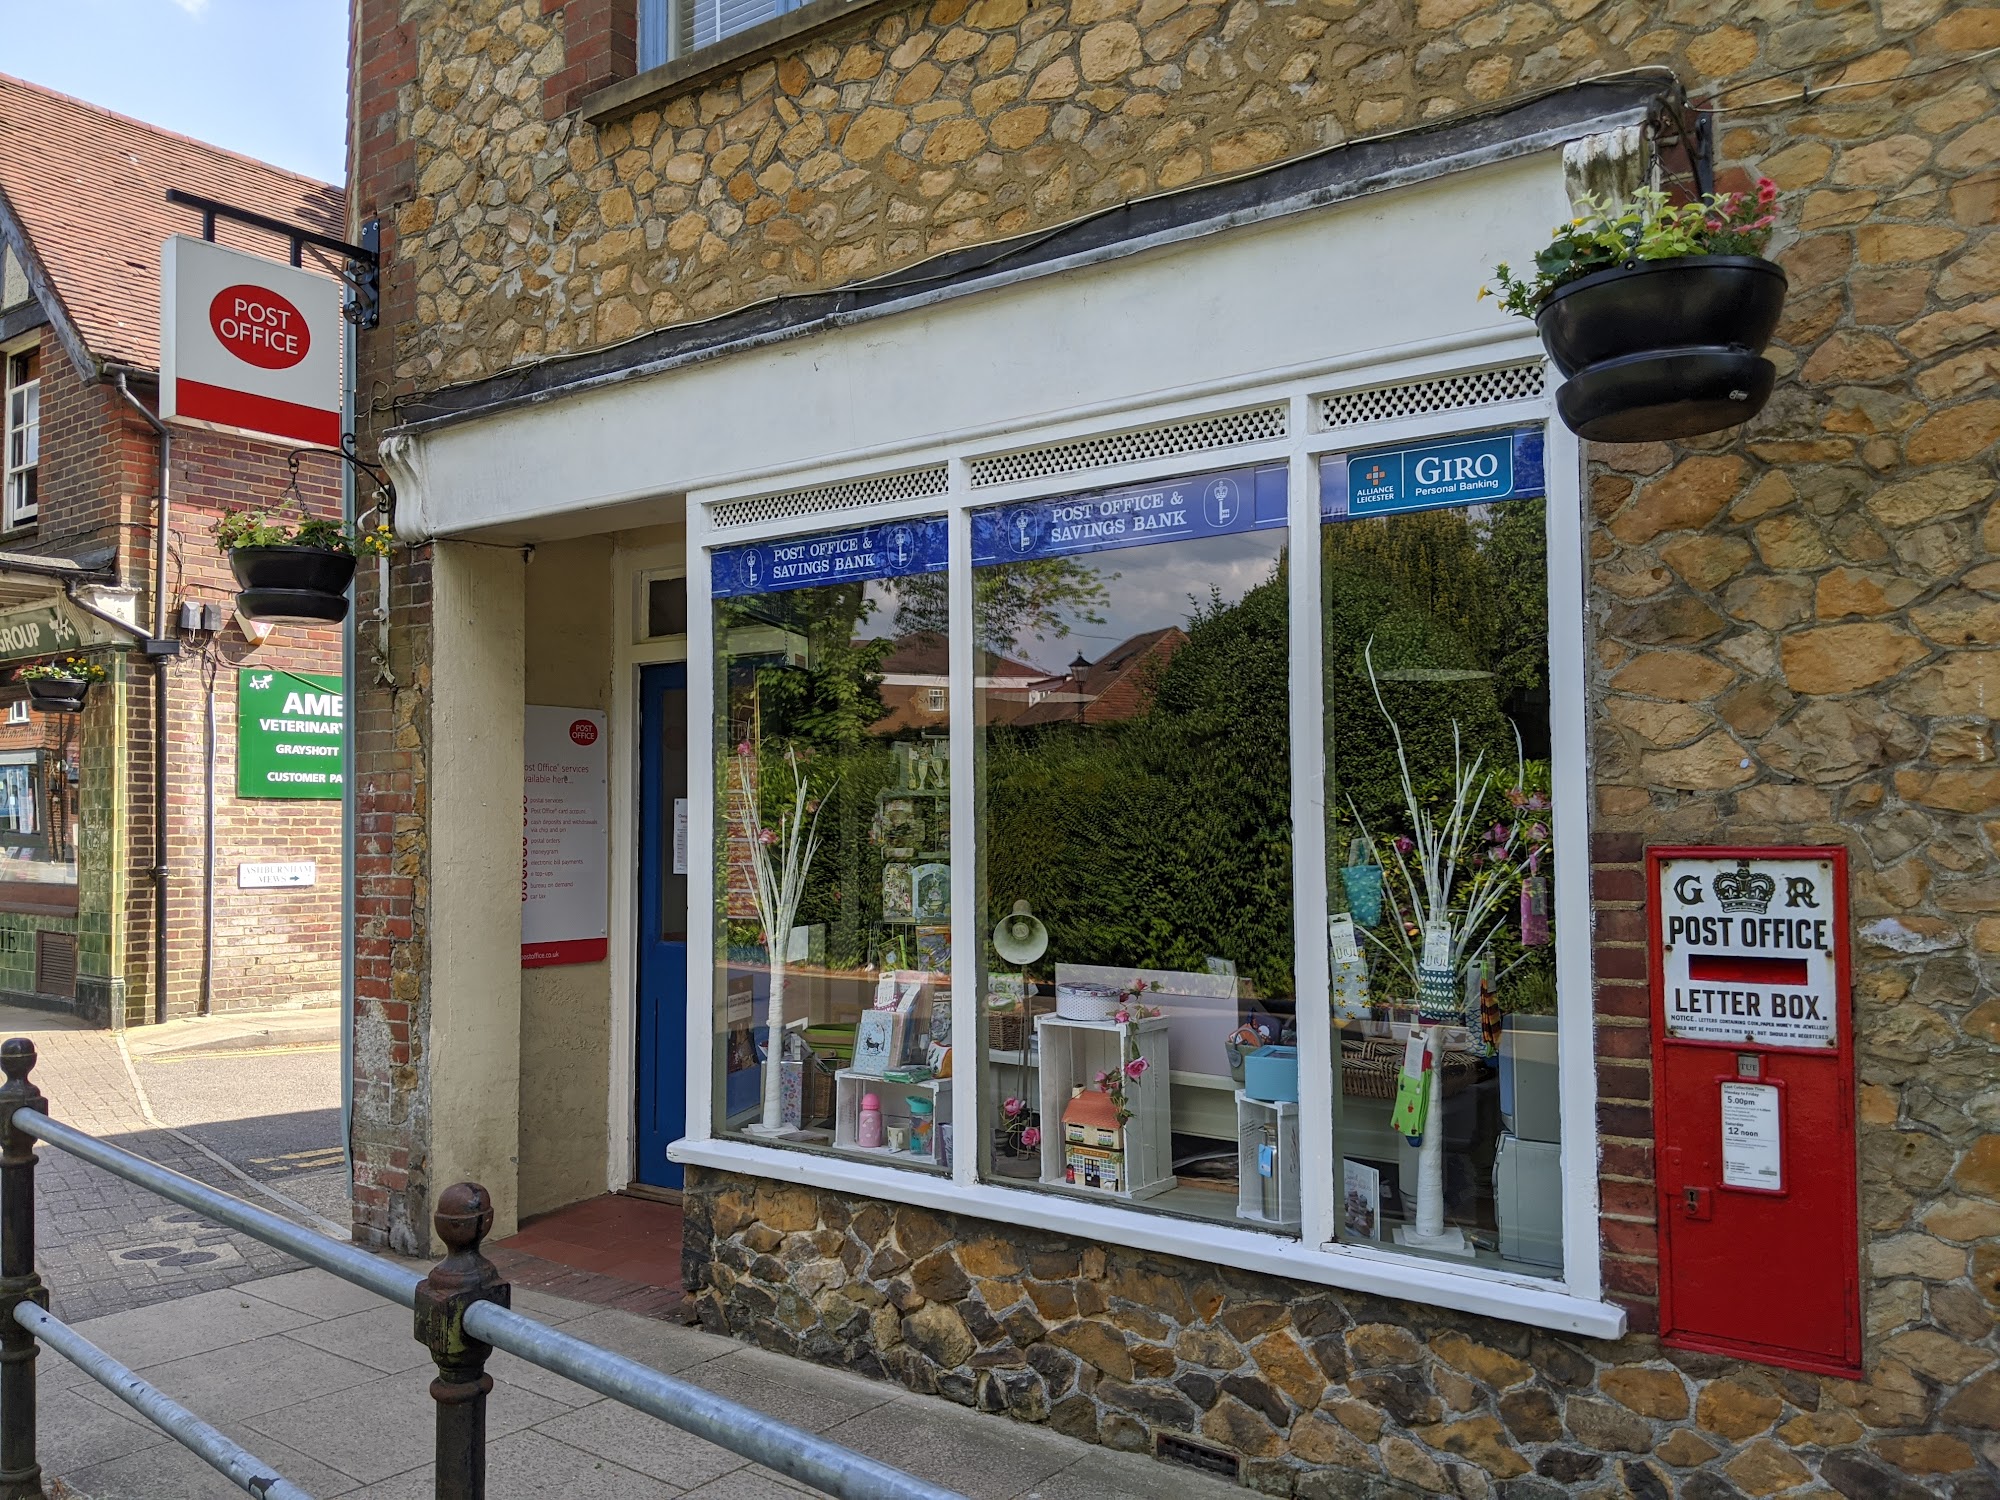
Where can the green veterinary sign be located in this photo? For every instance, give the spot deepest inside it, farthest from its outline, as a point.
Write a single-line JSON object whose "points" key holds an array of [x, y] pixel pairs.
{"points": [[291, 734]]}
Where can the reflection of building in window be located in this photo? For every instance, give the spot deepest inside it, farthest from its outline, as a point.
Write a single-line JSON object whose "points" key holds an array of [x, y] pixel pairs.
{"points": [[1115, 688]]}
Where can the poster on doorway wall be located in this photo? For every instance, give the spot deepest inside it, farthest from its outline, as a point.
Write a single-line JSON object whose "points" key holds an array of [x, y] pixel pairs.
{"points": [[564, 830]]}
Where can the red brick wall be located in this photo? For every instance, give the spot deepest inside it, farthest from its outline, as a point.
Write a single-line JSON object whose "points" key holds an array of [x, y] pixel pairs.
{"points": [[99, 479], [600, 46]]}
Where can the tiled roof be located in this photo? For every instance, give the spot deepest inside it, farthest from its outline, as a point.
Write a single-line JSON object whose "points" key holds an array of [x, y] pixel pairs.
{"points": [[89, 189]]}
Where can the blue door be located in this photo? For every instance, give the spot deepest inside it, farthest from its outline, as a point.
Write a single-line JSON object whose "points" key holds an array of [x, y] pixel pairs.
{"points": [[662, 1062]]}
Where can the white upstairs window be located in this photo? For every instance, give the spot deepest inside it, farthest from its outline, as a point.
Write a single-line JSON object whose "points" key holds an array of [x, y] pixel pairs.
{"points": [[23, 436]]}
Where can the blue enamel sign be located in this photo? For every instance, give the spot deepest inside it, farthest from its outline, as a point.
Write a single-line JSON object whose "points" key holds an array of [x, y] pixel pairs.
{"points": [[860, 554], [1430, 476], [1171, 510]]}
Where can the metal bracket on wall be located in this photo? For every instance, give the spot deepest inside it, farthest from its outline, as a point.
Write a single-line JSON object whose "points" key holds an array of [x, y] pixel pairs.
{"points": [[1687, 132], [361, 265]]}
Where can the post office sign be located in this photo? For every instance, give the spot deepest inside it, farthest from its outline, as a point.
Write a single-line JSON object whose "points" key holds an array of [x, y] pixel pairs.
{"points": [[1747, 951]]}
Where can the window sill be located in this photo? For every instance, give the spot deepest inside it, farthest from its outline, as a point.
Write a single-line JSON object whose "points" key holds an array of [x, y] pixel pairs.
{"points": [[657, 85], [1518, 1300]]}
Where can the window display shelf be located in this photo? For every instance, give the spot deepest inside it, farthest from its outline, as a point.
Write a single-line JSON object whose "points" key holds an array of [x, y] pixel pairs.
{"points": [[1267, 1192], [1140, 1159], [850, 1086]]}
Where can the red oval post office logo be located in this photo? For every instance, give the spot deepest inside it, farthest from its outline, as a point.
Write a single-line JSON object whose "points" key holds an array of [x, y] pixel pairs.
{"points": [[259, 327], [583, 732]]}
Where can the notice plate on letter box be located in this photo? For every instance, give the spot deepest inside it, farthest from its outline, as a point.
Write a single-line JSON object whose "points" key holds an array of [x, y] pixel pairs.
{"points": [[1752, 1137], [1747, 951], [277, 874]]}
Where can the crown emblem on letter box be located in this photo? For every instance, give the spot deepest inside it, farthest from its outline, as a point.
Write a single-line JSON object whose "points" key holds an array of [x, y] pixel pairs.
{"points": [[1745, 890]]}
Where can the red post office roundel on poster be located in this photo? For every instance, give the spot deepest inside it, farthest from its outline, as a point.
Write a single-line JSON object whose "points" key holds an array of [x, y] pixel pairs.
{"points": [[259, 326]]}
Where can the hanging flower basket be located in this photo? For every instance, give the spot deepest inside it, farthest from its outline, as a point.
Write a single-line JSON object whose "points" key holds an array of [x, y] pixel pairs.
{"points": [[60, 687], [1657, 314], [303, 585], [294, 574], [57, 695]]}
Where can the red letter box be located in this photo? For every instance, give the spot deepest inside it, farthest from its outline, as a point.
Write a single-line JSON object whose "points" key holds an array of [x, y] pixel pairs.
{"points": [[1753, 1087]]}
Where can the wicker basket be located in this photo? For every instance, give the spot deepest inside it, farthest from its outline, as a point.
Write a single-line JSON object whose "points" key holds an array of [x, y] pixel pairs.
{"points": [[1010, 1030], [1369, 1067]]}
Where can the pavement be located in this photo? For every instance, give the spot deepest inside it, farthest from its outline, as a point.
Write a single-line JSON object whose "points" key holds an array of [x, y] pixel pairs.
{"points": [[325, 1383], [239, 1103]]}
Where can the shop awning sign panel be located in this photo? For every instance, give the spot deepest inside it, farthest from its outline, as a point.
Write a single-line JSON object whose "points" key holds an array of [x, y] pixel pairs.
{"points": [[858, 554], [1222, 503], [1440, 474], [1747, 950]]}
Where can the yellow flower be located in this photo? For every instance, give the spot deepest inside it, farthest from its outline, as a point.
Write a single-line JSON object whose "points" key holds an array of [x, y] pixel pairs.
{"points": [[1484, 293]]}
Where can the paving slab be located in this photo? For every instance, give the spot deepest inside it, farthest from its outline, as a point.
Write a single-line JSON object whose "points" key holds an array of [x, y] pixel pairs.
{"points": [[372, 1432], [339, 1402], [247, 1380]]}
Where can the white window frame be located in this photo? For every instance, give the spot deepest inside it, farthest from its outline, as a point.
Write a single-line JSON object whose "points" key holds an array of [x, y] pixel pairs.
{"points": [[12, 516], [1571, 1301], [18, 712]]}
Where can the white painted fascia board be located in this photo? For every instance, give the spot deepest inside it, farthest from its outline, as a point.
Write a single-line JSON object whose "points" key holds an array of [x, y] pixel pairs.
{"points": [[1271, 300]]}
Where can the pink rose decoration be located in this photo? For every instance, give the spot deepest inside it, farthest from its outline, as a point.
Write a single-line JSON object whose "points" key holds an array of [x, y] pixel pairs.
{"points": [[1031, 1137], [1014, 1106], [1135, 1068]]}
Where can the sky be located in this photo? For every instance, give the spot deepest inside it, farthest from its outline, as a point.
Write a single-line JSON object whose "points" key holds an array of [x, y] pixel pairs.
{"points": [[267, 78]]}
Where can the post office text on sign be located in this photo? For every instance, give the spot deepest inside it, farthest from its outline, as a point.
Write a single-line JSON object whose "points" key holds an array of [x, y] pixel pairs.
{"points": [[1748, 950]]}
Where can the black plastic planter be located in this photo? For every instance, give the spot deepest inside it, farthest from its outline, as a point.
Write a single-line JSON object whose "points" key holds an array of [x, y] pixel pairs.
{"points": [[57, 695], [1664, 348], [298, 585]]}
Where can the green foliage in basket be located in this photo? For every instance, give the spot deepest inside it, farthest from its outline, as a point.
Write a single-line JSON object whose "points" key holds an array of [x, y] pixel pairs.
{"points": [[1651, 226], [256, 528], [68, 669]]}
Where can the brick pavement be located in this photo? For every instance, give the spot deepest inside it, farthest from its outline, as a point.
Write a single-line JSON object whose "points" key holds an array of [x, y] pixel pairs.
{"points": [[102, 1245]]}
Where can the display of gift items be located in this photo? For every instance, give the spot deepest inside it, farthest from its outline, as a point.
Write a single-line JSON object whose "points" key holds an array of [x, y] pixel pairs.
{"points": [[1447, 884], [781, 856], [1105, 1078], [1267, 1137], [1019, 938]]}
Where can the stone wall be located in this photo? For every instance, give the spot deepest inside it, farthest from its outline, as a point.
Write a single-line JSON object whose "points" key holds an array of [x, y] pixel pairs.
{"points": [[1326, 1395]]}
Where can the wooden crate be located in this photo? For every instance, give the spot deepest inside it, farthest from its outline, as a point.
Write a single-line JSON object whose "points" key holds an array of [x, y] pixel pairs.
{"points": [[1072, 1054]]}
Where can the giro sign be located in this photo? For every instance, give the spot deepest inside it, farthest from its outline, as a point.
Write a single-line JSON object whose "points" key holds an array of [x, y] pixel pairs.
{"points": [[248, 345]]}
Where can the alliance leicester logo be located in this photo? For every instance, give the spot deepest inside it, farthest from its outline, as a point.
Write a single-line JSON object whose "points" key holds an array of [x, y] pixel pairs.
{"points": [[1745, 890]]}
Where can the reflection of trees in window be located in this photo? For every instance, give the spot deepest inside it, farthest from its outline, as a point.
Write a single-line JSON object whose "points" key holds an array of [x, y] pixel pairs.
{"points": [[1162, 838], [1455, 603], [1043, 596]]}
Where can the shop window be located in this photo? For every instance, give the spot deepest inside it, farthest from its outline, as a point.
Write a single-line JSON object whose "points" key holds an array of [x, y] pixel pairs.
{"points": [[38, 801], [1435, 624], [23, 439], [1134, 844], [833, 845]]}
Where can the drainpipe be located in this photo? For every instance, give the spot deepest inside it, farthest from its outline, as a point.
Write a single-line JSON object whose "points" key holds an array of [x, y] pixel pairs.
{"points": [[160, 649]]}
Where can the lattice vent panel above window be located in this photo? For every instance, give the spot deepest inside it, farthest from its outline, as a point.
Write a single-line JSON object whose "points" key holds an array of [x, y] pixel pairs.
{"points": [[825, 499], [1423, 398], [1230, 429]]}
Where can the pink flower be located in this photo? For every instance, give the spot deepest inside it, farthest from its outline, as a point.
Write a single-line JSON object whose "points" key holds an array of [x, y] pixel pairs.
{"points": [[769, 836], [1014, 1106], [1135, 1069], [1767, 191], [1536, 802], [1031, 1137], [1538, 833], [1403, 845], [1120, 1017], [1101, 1077], [1497, 834], [742, 747]]}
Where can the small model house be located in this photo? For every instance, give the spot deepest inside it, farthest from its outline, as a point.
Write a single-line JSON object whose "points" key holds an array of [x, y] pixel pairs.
{"points": [[1093, 1142]]}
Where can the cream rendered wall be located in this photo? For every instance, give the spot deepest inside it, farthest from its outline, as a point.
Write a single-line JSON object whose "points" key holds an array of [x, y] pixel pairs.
{"points": [[475, 872], [566, 1011]]}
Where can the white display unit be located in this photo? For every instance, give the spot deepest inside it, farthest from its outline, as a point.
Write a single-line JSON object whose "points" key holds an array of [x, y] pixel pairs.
{"points": [[849, 1086], [1072, 1055], [1254, 1118]]}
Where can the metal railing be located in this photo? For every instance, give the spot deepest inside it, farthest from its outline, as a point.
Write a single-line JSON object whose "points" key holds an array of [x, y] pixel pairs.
{"points": [[461, 1311]]}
